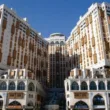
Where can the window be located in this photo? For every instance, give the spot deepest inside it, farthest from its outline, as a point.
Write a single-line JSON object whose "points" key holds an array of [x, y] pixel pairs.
{"points": [[3, 86], [52, 43], [30, 103], [21, 86], [61, 43], [81, 105], [12, 86], [93, 86], [67, 87], [101, 85], [84, 86], [98, 100], [56, 42], [30, 96], [68, 103], [74, 86], [31, 87], [15, 103]]}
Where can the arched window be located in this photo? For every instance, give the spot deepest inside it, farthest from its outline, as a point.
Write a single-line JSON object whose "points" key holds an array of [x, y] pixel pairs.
{"points": [[67, 87], [56, 42], [21, 86], [3, 86], [61, 43], [98, 100], [74, 86], [30, 103], [84, 86], [1, 101], [12, 86], [52, 43], [108, 85], [0, 97], [14, 103], [93, 86], [31, 87], [101, 85], [81, 105]]}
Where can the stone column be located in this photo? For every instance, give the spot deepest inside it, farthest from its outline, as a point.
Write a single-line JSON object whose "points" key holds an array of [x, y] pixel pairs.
{"points": [[79, 85], [90, 101], [105, 85], [97, 85], [88, 84], [106, 102], [3, 108]]}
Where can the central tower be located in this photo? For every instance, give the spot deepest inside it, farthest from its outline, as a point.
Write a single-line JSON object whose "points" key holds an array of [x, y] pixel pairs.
{"points": [[57, 60]]}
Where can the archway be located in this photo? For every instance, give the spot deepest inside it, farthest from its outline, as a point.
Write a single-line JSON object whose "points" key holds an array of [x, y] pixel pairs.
{"points": [[1, 102], [81, 106], [98, 102], [30, 103], [15, 105]]}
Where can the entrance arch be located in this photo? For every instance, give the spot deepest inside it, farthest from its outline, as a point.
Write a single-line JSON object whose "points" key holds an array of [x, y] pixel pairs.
{"points": [[15, 105], [81, 106], [98, 102], [1, 102]]}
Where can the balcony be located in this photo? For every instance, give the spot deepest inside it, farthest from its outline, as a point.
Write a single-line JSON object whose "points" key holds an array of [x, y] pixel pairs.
{"points": [[4, 24], [90, 52], [90, 19], [93, 41], [95, 58]]}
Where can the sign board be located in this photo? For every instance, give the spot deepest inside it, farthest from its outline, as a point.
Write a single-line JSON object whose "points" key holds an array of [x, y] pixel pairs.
{"points": [[81, 95]]}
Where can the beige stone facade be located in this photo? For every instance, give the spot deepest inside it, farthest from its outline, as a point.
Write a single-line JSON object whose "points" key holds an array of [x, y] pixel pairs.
{"points": [[21, 46], [20, 90], [89, 41]]}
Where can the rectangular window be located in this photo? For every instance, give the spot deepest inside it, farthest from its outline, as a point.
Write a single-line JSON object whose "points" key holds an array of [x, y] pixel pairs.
{"points": [[109, 27]]}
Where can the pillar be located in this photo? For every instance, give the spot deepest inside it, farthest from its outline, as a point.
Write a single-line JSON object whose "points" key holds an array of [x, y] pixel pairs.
{"points": [[79, 85], [3, 108], [88, 84], [105, 85], [90, 101], [97, 85]]}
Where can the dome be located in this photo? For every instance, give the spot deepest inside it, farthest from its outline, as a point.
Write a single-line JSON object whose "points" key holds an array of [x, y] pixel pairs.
{"points": [[56, 34]]}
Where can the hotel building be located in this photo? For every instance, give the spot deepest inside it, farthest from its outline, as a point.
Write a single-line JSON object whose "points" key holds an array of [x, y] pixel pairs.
{"points": [[19, 90], [89, 41], [57, 70], [21, 46], [87, 87]]}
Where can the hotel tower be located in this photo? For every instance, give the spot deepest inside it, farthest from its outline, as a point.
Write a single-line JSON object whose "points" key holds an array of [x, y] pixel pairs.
{"points": [[88, 86], [21, 46]]}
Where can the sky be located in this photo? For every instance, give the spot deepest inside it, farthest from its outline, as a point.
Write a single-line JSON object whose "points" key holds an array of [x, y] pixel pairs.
{"points": [[51, 16]]}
